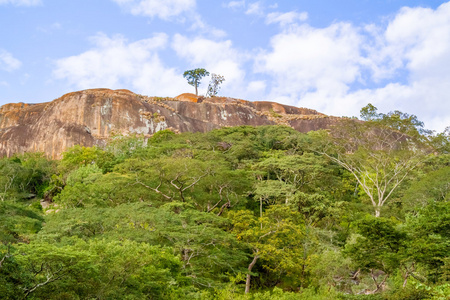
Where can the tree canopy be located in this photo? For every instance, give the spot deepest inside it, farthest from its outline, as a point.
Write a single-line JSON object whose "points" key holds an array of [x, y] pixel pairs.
{"points": [[236, 213], [194, 77]]}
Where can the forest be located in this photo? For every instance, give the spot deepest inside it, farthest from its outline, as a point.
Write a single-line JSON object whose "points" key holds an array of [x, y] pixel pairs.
{"points": [[360, 211]]}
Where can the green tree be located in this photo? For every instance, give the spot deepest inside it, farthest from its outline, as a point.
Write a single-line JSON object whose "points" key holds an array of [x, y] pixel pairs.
{"points": [[24, 176], [17, 223], [78, 156], [194, 76], [432, 187], [275, 237], [369, 113], [441, 141], [13, 178], [429, 225], [198, 239], [380, 155], [138, 270], [172, 178], [12, 276], [53, 270], [306, 182], [378, 248], [78, 190], [93, 269]]}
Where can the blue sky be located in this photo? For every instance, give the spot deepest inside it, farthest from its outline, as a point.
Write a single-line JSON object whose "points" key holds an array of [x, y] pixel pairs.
{"points": [[334, 56]]}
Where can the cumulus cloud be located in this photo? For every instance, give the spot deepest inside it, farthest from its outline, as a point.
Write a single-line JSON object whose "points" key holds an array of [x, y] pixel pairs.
{"points": [[113, 62], [306, 59], [417, 41], [164, 9], [21, 2], [216, 56], [8, 62], [286, 18], [340, 68]]}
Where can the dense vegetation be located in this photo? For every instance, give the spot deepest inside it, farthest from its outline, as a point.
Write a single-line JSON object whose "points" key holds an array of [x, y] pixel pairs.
{"points": [[359, 212]]}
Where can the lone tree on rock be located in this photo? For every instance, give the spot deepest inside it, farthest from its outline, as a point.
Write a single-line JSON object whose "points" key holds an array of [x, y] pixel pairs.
{"points": [[193, 77], [214, 84]]}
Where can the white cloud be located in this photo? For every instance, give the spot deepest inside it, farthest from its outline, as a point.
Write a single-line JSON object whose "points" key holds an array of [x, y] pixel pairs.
{"points": [[305, 59], [235, 4], [199, 26], [286, 18], [115, 63], [255, 8], [49, 29], [8, 62], [21, 2], [341, 68], [182, 11], [417, 41], [164, 9], [422, 37], [215, 56], [257, 87]]}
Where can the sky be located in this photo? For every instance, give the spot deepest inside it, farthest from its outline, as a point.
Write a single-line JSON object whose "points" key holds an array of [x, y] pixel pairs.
{"points": [[335, 56]]}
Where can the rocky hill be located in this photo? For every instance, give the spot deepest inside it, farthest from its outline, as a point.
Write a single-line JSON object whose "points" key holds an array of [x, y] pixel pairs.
{"points": [[90, 117]]}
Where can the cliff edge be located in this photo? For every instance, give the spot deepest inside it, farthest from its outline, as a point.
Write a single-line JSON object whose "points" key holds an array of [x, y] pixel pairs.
{"points": [[90, 117]]}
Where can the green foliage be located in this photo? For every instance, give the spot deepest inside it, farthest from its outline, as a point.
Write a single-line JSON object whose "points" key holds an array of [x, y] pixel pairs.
{"points": [[17, 223], [121, 147], [396, 120], [276, 237], [433, 187], [12, 175], [53, 270], [379, 245], [430, 245], [205, 250], [96, 269], [24, 177], [441, 141], [100, 190], [212, 215], [378, 155], [369, 113], [162, 135], [39, 170], [78, 156]]}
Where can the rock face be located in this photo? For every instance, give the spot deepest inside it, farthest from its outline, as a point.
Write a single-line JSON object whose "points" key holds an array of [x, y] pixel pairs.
{"points": [[90, 117]]}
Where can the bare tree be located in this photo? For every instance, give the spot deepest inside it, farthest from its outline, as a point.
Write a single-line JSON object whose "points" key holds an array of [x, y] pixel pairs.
{"points": [[214, 85]]}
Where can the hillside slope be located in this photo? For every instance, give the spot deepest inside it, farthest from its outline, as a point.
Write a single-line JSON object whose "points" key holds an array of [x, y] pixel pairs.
{"points": [[90, 117]]}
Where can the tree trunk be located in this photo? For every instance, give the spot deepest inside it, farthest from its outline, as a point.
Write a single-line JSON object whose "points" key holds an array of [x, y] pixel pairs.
{"points": [[196, 91], [250, 267], [377, 211]]}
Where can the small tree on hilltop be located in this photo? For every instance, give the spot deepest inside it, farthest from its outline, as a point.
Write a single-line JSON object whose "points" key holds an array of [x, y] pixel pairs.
{"points": [[193, 77], [214, 84]]}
